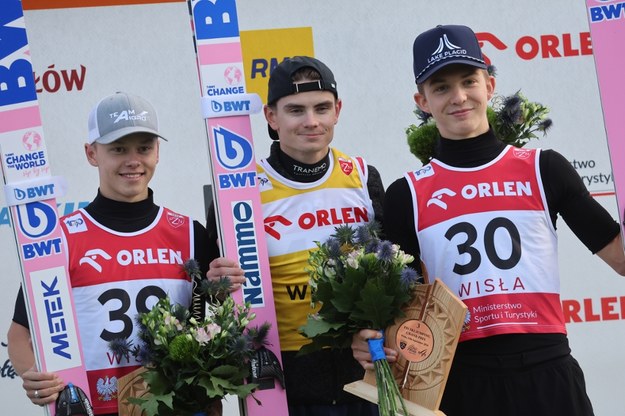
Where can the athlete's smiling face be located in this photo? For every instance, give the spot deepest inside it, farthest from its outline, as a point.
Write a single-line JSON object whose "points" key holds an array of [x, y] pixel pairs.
{"points": [[125, 166], [457, 97], [305, 123]]}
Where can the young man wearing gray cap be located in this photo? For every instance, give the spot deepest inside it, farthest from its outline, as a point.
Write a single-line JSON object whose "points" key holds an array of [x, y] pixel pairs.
{"points": [[498, 251], [124, 253], [304, 177]]}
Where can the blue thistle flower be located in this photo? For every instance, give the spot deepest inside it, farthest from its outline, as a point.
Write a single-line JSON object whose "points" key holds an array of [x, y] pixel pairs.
{"points": [[511, 111], [423, 116], [120, 346], [192, 269], [143, 354], [334, 248], [363, 235], [240, 345], [492, 70], [372, 246], [409, 276], [385, 251], [545, 124]]}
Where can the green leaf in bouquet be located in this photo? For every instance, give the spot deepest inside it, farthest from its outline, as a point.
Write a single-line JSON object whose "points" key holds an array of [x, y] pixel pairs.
{"points": [[374, 307], [244, 390], [346, 293], [159, 384], [157, 405], [315, 326]]}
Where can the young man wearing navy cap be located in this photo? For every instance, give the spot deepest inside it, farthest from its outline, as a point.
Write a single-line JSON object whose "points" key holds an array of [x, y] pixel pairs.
{"points": [[123, 143], [498, 252], [303, 175]]}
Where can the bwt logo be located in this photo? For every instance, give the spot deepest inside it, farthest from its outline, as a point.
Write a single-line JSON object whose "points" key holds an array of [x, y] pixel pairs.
{"points": [[230, 106], [233, 151], [55, 317], [607, 12], [43, 248], [18, 82], [237, 180], [36, 219], [34, 192], [247, 252], [215, 19]]}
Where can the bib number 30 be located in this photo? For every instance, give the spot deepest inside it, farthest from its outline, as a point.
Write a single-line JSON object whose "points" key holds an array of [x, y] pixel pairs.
{"points": [[500, 226]]}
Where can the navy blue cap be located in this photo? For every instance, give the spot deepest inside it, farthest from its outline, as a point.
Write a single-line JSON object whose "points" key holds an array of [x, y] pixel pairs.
{"points": [[445, 45]]}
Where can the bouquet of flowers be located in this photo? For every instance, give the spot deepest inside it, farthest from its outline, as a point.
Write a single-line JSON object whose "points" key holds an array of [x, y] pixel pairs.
{"points": [[360, 281], [514, 119], [191, 363]]}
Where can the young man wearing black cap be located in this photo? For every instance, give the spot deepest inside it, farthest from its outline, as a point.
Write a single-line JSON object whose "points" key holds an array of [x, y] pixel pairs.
{"points": [[307, 189], [124, 252], [496, 247]]}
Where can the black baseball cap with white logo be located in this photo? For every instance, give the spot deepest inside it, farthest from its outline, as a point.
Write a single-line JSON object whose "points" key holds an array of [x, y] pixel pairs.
{"points": [[445, 45], [119, 115], [281, 81]]}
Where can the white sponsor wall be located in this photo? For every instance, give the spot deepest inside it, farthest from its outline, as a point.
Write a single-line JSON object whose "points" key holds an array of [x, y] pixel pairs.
{"points": [[539, 47]]}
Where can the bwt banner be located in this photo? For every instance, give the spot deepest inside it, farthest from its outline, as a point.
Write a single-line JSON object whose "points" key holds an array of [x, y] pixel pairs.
{"points": [[83, 50]]}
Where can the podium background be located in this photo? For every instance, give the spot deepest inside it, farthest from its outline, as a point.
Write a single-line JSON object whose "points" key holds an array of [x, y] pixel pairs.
{"points": [[541, 48]]}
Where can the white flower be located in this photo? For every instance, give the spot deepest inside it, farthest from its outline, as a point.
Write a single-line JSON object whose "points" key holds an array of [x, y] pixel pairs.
{"points": [[352, 259], [204, 335]]}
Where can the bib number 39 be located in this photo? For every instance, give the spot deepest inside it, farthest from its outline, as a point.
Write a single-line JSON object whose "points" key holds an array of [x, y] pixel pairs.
{"points": [[120, 314]]}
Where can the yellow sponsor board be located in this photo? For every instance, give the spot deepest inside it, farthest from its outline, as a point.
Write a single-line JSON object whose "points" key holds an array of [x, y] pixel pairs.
{"points": [[263, 50]]}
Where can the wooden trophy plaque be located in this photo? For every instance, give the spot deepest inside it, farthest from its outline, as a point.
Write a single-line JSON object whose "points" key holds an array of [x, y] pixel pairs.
{"points": [[426, 339], [131, 385]]}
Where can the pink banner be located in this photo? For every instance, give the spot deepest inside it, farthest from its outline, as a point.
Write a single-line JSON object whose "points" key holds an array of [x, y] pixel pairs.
{"points": [[607, 29]]}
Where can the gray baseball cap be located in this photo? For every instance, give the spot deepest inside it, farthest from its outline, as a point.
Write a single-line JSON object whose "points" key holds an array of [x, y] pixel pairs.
{"points": [[119, 115]]}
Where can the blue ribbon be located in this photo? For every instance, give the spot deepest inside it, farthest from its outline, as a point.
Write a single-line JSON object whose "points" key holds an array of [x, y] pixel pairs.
{"points": [[376, 348]]}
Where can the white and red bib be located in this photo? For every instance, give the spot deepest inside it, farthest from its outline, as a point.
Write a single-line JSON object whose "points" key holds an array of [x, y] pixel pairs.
{"points": [[114, 277], [298, 214], [486, 233]]}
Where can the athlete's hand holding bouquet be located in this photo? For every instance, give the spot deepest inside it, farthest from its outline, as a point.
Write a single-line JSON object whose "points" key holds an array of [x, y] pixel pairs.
{"points": [[190, 364], [359, 281]]}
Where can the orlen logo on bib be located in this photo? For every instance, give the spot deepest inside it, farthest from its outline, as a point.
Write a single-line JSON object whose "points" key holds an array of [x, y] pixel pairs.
{"points": [[97, 258], [442, 197]]}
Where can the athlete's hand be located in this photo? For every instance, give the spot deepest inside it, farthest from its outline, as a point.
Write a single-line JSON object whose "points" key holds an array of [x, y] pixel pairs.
{"points": [[360, 348], [41, 388], [222, 266]]}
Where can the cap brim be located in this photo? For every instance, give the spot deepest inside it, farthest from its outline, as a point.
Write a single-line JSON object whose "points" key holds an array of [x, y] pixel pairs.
{"points": [[441, 65], [118, 134]]}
